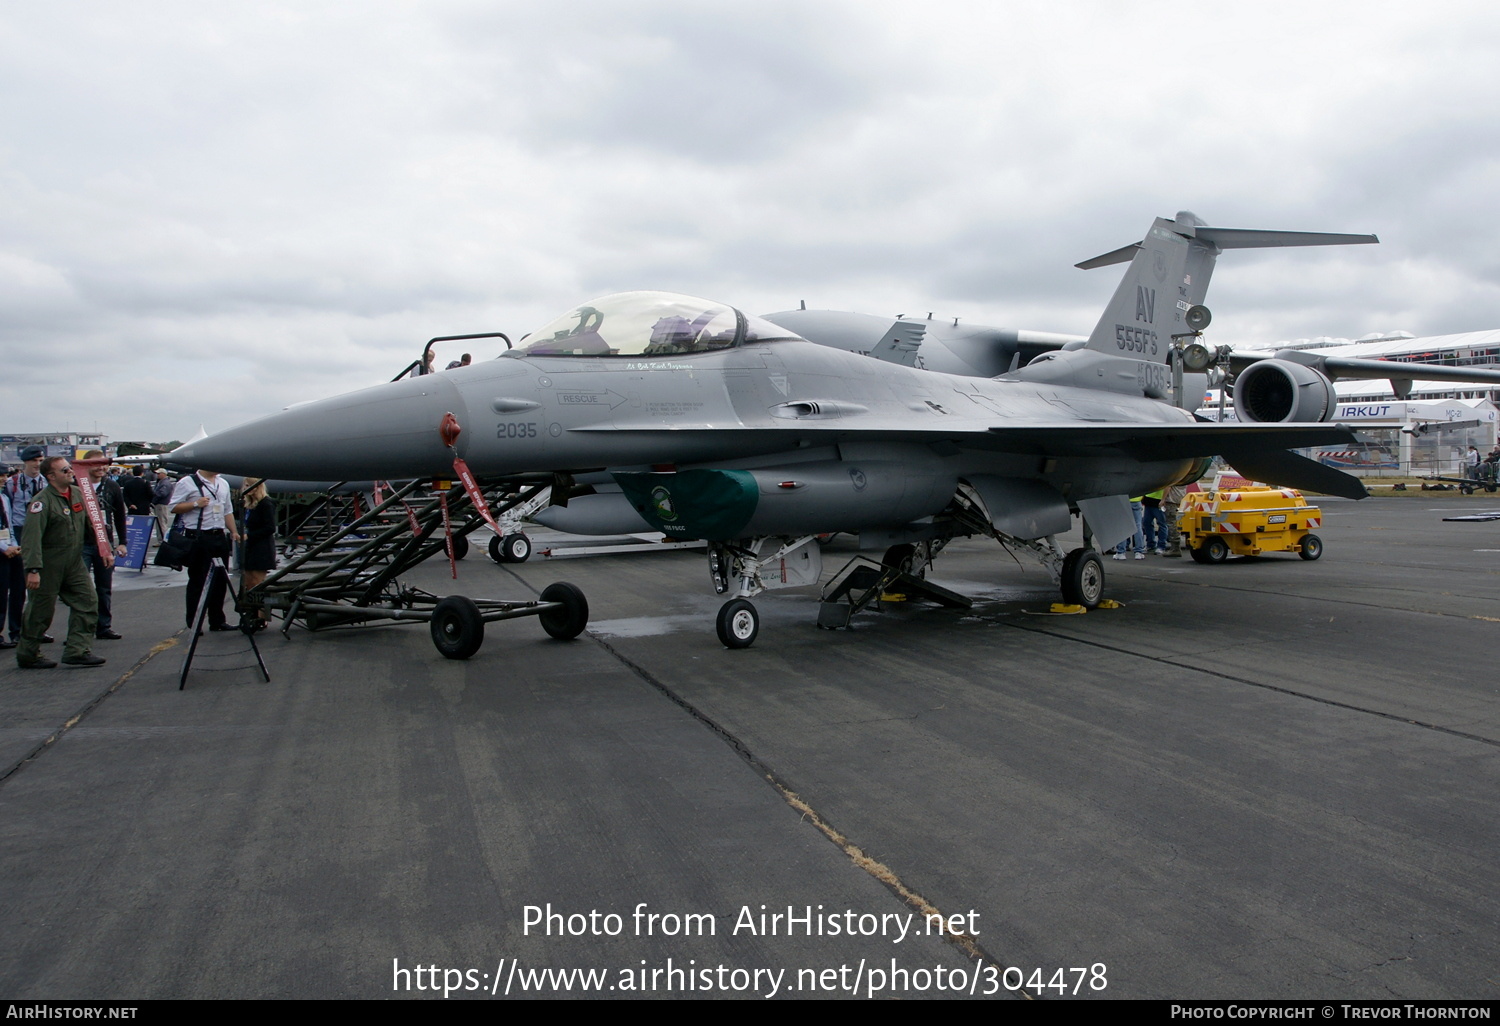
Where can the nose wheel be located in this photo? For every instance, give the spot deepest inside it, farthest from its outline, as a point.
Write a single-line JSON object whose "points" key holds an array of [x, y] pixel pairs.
{"points": [[738, 623], [513, 548]]}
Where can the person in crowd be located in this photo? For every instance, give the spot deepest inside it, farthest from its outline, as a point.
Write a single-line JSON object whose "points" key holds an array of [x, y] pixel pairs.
{"points": [[20, 489], [1172, 505], [464, 362], [203, 503], [1487, 466], [1155, 522], [12, 573], [161, 499], [23, 487], [112, 505], [1471, 463], [137, 492], [1137, 540], [259, 556], [52, 550]]}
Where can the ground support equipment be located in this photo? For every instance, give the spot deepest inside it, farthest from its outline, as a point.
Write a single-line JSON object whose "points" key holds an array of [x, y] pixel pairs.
{"points": [[304, 526], [1218, 523], [862, 581], [352, 576], [1470, 485]]}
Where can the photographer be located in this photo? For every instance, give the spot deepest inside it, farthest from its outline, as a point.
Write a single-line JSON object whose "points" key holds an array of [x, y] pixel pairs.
{"points": [[202, 504]]}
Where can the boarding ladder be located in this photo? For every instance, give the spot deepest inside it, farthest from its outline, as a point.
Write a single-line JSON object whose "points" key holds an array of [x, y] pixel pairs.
{"points": [[351, 573]]}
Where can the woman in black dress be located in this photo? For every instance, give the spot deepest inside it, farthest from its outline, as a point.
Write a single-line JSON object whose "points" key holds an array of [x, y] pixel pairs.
{"points": [[259, 557]]}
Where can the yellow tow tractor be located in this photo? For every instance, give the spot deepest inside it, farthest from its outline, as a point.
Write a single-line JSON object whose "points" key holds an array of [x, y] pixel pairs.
{"points": [[1247, 521]]}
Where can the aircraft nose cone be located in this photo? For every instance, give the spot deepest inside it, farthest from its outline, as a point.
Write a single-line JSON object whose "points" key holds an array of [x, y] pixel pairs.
{"points": [[389, 431]]}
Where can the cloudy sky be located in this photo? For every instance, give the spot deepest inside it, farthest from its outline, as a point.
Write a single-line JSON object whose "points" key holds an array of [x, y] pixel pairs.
{"points": [[213, 210]]}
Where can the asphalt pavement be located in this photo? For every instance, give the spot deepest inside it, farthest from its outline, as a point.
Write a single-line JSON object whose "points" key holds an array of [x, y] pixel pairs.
{"points": [[1264, 779]]}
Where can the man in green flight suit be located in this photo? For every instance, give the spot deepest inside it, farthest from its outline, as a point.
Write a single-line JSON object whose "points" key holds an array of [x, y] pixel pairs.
{"points": [[52, 552]]}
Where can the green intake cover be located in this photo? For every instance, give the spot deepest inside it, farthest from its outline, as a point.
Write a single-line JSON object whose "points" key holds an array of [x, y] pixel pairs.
{"points": [[714, 505]]}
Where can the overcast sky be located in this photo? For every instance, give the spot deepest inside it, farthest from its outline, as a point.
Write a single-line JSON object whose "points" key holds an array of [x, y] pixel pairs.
{"points": [[213, 210]]}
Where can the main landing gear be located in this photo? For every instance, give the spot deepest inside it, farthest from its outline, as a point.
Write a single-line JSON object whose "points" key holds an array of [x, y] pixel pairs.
{"points": [[1082, 578], [1078, 574], [745, 569]]}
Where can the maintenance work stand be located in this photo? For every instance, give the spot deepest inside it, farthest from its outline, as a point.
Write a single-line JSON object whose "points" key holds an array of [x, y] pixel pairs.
{"points": [[351, 575]]}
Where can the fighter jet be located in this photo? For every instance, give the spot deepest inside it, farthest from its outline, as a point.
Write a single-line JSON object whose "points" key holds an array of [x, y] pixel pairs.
{"points": [[704, 422]]}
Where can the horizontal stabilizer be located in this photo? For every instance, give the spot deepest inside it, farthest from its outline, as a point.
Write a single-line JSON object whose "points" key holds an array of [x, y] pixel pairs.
{"points": [[1168, 277], [1290, 470], [1239, 238], [1254, 238], [1116, 256], [1164, 442]]}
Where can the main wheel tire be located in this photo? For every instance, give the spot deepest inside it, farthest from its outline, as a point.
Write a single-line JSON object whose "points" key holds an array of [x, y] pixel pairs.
{"points": [[909, 559], [497, 548], [1312, 547], [1215, 550], [516, 548], [1083, 578], [738, 623], [457, 627], [899, 557], [460, 546], [568, 622]]}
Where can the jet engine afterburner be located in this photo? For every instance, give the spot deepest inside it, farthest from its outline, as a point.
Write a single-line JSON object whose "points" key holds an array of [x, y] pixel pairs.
{"points": [[1275, 391]]}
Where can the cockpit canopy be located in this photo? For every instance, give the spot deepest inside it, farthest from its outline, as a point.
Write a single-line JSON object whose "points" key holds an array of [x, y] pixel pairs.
{"points": [[648, 324]]}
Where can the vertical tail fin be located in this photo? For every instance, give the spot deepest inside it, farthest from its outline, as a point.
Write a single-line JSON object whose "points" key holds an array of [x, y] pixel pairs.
{"points": [[1168, 275]]}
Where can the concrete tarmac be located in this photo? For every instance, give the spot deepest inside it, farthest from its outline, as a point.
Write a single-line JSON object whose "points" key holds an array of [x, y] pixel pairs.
{"points": [[1265, 779]]}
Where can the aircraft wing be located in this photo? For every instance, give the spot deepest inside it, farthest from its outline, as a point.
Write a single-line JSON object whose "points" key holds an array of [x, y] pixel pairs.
{"points": [[1339, 367], [1061, 439], [1424, 426], [1257, 450]]}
